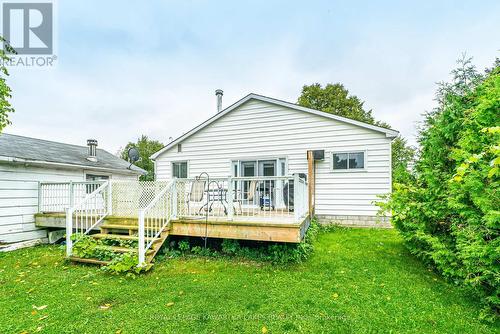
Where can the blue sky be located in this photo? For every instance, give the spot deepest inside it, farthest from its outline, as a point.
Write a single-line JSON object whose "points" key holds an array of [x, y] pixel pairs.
{"points": [[151, 67]]}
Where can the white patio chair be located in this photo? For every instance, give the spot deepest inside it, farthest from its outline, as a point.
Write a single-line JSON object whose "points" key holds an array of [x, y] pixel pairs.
{"points": [[197, 193], [239, 198]]}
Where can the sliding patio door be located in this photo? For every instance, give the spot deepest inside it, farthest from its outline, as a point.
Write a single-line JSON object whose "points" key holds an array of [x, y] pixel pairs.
{"points": [[260, 168]]}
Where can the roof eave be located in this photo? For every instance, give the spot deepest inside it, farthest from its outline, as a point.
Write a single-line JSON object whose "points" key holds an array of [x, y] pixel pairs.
{"points": [[72, 166]]}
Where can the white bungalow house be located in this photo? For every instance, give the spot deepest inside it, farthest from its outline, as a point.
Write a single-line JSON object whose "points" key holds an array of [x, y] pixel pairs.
{"points": [[257, 170], [263, 138], [26, 163]]}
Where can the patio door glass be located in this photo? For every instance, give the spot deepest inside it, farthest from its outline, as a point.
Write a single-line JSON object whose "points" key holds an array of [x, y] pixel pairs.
{"points": [[248, 169], [267, 168], [260, 168]]}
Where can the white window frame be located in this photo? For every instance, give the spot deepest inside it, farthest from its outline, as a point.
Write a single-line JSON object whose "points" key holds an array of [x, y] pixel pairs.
{"points": [[89, 172], [349, 170], [178, 162], [237, 161]]}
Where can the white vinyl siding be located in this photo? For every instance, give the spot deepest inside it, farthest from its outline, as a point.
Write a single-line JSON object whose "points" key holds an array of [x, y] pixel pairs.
{"points": [[260, 130], [19, 197]]}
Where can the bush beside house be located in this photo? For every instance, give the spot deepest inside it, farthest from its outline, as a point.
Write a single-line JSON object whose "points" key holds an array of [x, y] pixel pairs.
{"points": [[448, 210]]}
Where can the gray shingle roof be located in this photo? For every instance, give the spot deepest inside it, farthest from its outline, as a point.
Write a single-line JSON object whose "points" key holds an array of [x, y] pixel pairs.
{"points": [[32, 149]]}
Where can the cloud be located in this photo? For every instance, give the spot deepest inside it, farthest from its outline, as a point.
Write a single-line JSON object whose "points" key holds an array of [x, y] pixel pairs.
{"points": [[153, 68]]}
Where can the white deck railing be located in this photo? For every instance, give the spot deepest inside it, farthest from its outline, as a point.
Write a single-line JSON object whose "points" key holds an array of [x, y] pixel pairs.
{"points": [[130, 196], [267, 198], [58, 196], [260, 198], [87, 214], [264, 199], [155, 217]]}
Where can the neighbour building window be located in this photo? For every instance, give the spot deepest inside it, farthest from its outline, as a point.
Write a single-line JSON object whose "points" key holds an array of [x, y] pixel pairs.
{"points": [[348, 160], [179, 169], [94, 178]]}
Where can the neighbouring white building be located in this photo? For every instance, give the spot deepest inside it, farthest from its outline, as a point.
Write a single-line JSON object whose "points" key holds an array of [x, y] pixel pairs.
{"points": [[262, 136], [25, 162]]}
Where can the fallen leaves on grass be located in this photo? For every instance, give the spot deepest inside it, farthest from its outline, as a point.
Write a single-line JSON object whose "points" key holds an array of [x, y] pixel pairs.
{"points": [[264, 330], [39, 308], [170, 304], [105, 306]]}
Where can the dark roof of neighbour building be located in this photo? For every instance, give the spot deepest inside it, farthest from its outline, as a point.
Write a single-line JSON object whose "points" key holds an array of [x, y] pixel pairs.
{"points": [[26, 149]]}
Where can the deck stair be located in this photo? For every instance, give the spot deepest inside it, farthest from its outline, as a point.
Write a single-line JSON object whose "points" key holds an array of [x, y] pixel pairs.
{"points": [[124, 232]]}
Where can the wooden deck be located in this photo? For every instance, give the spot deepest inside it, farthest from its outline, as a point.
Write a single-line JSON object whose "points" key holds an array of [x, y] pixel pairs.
{"points": [[259, 228]]}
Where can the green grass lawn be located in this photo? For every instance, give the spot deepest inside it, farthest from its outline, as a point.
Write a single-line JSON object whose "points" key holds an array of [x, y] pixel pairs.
{"points": [[357, 281]]}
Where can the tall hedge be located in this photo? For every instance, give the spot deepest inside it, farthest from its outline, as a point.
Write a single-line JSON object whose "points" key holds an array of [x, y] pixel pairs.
{"points": [[449, 211]]}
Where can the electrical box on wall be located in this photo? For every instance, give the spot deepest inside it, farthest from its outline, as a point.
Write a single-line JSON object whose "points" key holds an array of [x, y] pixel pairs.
{"points": [[318, 155]]}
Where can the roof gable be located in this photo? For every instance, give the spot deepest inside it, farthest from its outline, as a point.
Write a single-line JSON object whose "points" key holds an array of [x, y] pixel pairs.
{"points": [[390, 133]]}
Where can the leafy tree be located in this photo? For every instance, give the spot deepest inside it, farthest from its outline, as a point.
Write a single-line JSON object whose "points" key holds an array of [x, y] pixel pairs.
{"points": [[5, 91], [146, 148], [449, 214], [403, 156], [335, 99]]}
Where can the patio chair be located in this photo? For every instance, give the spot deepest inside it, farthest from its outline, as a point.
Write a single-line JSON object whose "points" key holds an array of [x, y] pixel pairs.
{"points": [[197, 193], [252, 189]]}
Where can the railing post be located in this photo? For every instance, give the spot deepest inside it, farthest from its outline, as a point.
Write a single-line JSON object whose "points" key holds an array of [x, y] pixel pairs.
{"points": [[175, 204], [110, 197], [69, 231], [305, 207], [71, 194], [296, 196], [142, 253], [230, 198], [39, 197]]}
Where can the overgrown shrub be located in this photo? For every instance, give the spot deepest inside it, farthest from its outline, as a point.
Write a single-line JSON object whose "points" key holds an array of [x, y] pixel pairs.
{"points": [[448, 211], [88, 247], [276, 253]]}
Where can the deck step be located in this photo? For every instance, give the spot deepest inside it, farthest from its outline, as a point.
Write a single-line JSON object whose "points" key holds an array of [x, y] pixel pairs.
{"points": [[120, 237], [119, 227], [125, 227], [118, 249], [91, 261]]}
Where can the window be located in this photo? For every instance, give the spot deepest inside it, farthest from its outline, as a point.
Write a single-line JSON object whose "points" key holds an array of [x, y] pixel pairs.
{"points": [[179, 169], [94, 178], [268, 168], [349, 160], [179, 148]]}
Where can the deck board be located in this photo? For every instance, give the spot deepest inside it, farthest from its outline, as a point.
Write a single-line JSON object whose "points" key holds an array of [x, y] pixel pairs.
{"points": [[242, 230], [282, 228]]}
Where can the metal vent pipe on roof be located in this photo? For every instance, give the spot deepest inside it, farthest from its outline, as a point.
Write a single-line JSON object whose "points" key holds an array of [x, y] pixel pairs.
{"points": [[219, 94], [92, 152]]}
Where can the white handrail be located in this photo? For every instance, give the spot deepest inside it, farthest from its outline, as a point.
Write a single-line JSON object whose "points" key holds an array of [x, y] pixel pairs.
{"points": [[155, 217], [87, 214]]}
